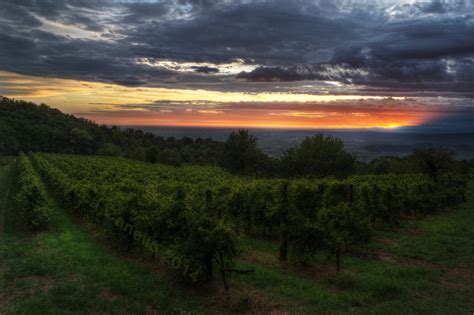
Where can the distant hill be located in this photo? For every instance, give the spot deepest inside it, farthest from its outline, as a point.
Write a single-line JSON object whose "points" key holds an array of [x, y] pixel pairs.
{"points": [[25, 126]]}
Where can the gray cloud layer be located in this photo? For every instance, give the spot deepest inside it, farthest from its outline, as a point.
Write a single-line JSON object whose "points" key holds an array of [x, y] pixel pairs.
{"points": [[380, 45]]}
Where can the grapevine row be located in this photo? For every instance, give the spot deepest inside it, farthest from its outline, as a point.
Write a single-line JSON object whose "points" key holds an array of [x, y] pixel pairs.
{"points": [[196, 214], [34, 208]]}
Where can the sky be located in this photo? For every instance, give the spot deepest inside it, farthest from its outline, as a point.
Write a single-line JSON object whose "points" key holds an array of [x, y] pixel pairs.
{"points": [[243, 63]]}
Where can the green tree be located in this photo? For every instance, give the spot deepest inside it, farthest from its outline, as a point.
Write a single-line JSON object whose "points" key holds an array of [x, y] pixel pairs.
{"points": [[81, 140], [29, 127], [169, 157], [151, 154], [136, 153], [110, 149], [241, 154], [388, 165], [8, 143], [318, 156], [433, 161]]}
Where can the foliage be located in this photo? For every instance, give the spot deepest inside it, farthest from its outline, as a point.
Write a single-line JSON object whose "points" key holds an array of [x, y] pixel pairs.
{"points": [[114, 190], [81, 140], [433, 162], [110, 149], [38, 128], [151, 154], [5, 160], [388, 165], [318, 156], [169, 157], [376, 286], [430, 161], [31, 199], [8, 143], [241, 154], [29, 127], [343, 226], [201, 222]]}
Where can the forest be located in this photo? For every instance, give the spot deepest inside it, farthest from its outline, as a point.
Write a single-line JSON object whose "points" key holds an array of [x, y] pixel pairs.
{"points": [[26, 127]]}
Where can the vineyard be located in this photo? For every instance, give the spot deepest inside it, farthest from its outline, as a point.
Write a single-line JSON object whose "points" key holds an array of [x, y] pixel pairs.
{"points": [[219, 157], [194, 218]]}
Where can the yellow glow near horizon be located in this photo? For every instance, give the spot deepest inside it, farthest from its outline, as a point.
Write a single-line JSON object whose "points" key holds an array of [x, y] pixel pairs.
{"points": [[104, 103], [70, 93]]}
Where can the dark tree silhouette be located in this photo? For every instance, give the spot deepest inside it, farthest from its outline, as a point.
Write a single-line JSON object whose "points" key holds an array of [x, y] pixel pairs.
{"points": [[241, 154], [319, 157], [433, 161]]}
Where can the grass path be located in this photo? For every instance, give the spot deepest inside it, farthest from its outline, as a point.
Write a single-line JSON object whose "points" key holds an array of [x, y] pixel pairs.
{"points": [[424, 268]]}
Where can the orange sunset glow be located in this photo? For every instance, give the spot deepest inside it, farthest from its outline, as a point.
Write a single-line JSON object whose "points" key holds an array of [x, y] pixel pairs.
{"points": [[118, 105], [262, 119]]}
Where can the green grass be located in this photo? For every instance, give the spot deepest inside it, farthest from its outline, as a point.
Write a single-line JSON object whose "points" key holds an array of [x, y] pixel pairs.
{"points": [[444, 239], [362, 285], [426, 267]]}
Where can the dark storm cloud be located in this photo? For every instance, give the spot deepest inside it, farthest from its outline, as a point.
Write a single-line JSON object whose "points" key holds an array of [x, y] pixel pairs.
{"points": [[261, 33], [16, 12], [265, 74], [55, 56], [141, 12], [66, 11], [425, 46], [426, 53], [205, 69]]}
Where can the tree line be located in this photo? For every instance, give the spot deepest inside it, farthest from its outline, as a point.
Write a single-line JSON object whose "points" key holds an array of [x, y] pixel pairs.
{"points": [[29, 127]]}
